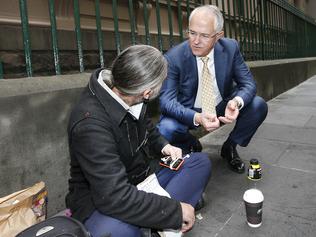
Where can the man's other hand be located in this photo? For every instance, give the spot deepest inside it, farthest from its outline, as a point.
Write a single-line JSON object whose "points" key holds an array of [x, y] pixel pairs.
{"points": [[174, 152], [209, 121], [188, 217], [231, 112]]}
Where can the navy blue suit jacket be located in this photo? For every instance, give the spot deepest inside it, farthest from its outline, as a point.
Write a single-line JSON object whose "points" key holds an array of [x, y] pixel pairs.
{"points": [[179, 90]]}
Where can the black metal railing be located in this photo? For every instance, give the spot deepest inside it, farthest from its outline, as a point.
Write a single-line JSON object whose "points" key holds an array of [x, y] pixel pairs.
{"points": [[265, 29]]}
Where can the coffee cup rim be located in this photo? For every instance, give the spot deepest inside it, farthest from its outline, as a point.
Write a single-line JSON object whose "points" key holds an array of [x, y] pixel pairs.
{"points": [[253, 195]]}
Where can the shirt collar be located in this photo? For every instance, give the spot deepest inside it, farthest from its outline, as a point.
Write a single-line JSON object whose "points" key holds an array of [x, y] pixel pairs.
{"points": [[210, 56], [134, 110]]}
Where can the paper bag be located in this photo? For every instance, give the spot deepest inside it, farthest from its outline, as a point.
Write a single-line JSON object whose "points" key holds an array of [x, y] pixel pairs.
{"points": [[22, 209]]}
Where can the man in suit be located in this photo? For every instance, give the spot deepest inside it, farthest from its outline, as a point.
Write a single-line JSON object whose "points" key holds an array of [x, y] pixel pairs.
{"points": [[208, 57]]}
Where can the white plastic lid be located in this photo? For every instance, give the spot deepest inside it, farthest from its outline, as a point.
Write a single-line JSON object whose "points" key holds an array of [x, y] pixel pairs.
{"points": [[253, 196]]}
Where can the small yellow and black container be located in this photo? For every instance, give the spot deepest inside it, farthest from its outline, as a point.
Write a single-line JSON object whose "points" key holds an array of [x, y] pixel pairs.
{"points": [[254, 170]]}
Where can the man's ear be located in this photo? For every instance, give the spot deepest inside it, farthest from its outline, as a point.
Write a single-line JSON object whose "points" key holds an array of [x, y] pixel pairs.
{"points": [[147, 93], [220, 35]]}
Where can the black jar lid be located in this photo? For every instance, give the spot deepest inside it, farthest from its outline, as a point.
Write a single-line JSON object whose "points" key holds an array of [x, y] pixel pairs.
{"points": [[254, 162]]}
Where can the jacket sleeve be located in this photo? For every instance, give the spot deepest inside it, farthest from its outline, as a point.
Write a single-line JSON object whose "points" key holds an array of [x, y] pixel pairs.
{"points": [[246, 85], [95, 148], [169, 104]]}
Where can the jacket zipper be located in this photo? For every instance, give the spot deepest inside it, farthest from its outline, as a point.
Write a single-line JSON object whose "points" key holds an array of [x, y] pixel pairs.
{"points": [[129, 138]]}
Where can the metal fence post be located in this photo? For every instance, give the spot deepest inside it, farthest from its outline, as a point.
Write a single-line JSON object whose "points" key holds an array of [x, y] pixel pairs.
{"points": [[132, 20], [54, 36], [26, 37], [147, 36], [1, 70], [99, 31], [261, 27], [170, 24], [188, 9], [159, 26], [116, 26], [180, 20], [78, 34]]}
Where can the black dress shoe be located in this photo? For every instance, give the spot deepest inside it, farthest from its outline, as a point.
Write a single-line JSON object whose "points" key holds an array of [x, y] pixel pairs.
{"points": [[229, 153]]}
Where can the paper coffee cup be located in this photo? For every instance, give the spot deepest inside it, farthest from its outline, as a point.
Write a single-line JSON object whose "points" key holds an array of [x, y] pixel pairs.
{"points": [[253, 199]]}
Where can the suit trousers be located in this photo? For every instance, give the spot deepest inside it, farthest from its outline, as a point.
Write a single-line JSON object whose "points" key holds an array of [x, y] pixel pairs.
{"points": [[185, 185], [249, 119]]}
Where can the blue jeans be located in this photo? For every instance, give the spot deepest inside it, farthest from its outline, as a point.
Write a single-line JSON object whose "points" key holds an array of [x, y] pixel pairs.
{"points": [[185, 185]]}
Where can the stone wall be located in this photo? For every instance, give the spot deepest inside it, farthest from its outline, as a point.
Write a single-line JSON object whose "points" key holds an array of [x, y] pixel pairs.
{"points": [[35, 111]]}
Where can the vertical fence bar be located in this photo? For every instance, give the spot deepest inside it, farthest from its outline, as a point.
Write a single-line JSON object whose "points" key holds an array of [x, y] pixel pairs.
{"points": [[255, 10], [188, 10], [268, 31], [26, 37], [261, 27], [132, 20], [224, 16], [235, 20], [307, 33], [78, 34], [283, 33], [159, 25], [241, 24], [275, 38], [279, 32], [170, 24], [146, 22], [52, 16], [180, 20], [288, 30], [116, 27], [248, 31], [1, 70], [229, 19], [265, 28], [274, 31], [273, 35], [252, 29], [99, 31], [279, 14], [296, 39]]}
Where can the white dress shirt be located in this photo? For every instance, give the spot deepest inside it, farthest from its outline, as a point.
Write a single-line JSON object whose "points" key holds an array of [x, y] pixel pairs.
{"points": [[211, 68]]}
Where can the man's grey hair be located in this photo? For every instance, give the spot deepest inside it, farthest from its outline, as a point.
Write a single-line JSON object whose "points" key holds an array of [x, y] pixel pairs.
{"points": [[219, 20], [136, 69]]}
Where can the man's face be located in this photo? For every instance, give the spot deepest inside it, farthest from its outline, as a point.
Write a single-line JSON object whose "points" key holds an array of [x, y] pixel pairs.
{"points": [[202, 36]]}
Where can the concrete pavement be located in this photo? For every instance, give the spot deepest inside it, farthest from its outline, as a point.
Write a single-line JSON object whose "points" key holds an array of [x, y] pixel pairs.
{"points": [[285, 145]]}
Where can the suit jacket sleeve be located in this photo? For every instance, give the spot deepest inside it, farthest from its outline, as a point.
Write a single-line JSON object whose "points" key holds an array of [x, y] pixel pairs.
{"points": [[245, 84], [170, 92]]}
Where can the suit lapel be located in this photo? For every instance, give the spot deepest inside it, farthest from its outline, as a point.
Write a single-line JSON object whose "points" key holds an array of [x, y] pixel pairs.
{"points": [[220, 60], [191, 67]]}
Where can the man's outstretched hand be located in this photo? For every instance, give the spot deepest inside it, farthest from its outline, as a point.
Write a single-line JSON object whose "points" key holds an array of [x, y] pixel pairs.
{"points": [[231, 112], [209, 121]]}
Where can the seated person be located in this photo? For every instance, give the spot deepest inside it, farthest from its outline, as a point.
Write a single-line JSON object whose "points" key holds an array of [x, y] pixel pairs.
{"points": [[208, 83], [114, 147]]}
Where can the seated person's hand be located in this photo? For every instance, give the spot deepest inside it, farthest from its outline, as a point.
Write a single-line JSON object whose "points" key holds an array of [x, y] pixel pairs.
{"points": [[188, 217], [174, 152], [231, 112], [209, 121]]}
